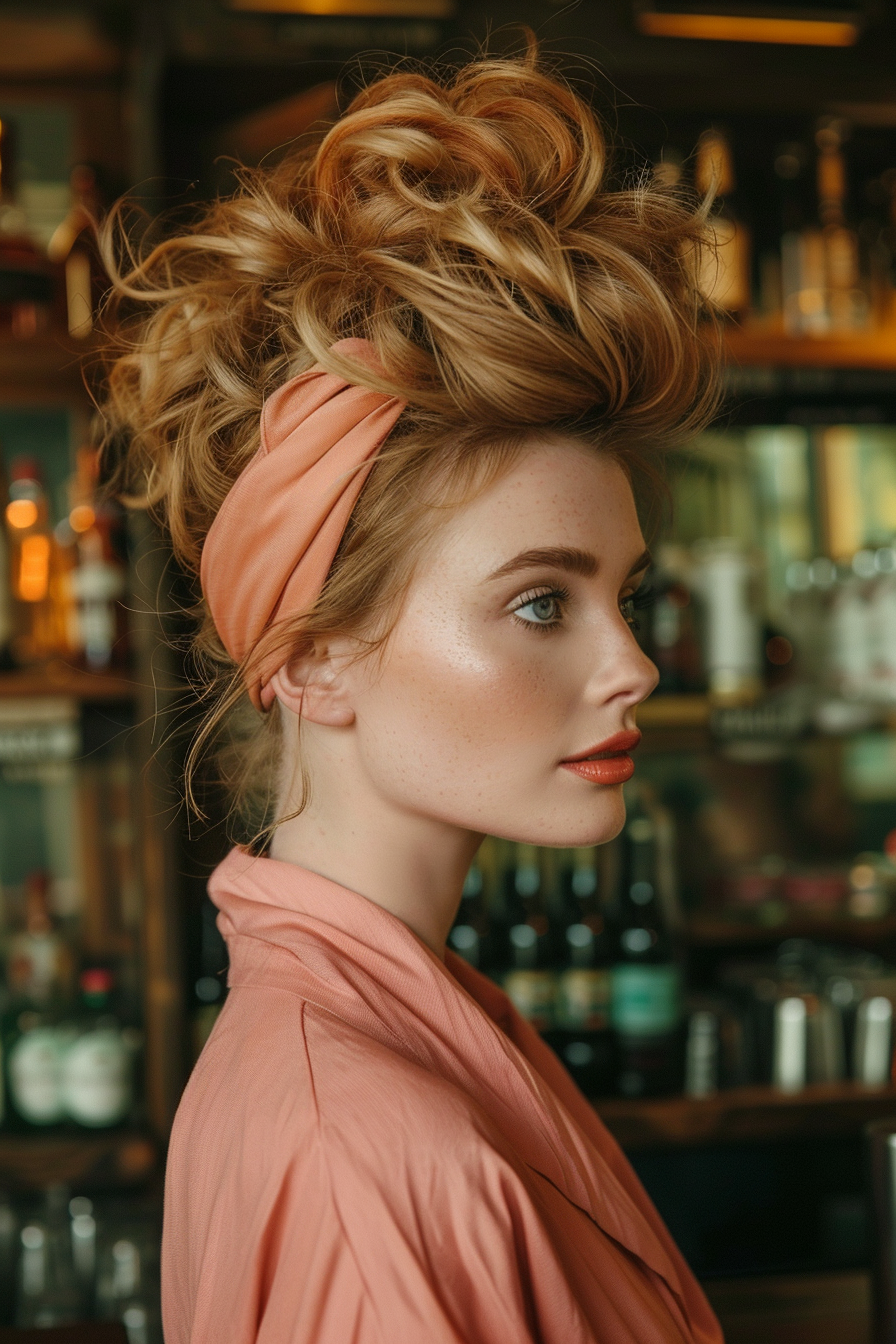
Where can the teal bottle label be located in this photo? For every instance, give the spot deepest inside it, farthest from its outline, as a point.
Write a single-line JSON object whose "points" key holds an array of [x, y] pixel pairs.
{"points": [[646, 1000]]}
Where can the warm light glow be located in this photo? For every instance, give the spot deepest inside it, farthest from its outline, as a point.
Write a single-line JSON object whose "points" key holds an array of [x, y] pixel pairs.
{"points": [[21, 513], [34, 568], [81, 518], [371, 9], [746, 28]]}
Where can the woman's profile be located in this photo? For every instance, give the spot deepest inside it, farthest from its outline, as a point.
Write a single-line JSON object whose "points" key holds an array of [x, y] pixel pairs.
{"points": [[391, 398]]}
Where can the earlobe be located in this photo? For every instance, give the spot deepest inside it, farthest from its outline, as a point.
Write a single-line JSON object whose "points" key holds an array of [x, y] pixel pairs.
{"points": [[314, 690]]}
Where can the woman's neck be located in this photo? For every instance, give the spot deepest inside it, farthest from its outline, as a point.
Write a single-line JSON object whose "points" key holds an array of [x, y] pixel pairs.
{"points": [[412, 866]]}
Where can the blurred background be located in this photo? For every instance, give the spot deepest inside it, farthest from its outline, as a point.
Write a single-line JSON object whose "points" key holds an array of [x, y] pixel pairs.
{"points": [[721, 980]]}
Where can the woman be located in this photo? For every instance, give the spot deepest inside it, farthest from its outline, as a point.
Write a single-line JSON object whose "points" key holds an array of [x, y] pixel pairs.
{"points": [[391, 398]]}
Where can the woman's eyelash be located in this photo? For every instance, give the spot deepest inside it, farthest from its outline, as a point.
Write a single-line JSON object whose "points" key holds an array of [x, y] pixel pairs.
{"points": [[645, 596], [558, 595]]}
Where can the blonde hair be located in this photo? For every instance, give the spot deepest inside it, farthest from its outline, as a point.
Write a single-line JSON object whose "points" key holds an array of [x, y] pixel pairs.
{"points": [[465, 223]]}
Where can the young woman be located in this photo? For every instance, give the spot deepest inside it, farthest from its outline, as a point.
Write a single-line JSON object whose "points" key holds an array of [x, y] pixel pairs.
{"points": [[392, 397]]}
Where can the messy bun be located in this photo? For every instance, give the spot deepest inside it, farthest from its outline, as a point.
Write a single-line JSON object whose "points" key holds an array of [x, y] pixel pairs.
{"points": [[467, 226]]}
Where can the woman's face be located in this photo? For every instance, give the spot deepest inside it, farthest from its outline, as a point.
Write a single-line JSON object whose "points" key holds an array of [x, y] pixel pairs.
{"points": [[513, 652]]}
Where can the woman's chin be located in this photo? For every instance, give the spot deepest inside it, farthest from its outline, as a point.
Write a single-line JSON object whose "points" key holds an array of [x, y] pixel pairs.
{"points": [[570, 828]]}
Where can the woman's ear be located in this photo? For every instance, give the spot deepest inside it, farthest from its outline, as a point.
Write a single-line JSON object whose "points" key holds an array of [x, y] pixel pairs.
{"points": [[314, 686]]}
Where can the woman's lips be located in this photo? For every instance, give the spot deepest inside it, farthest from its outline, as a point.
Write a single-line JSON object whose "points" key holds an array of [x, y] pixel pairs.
{"points": [[608, 762]]}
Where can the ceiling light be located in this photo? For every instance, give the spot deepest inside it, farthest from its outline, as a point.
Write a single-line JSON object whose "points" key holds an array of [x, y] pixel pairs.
{"points": [[818, 26]]}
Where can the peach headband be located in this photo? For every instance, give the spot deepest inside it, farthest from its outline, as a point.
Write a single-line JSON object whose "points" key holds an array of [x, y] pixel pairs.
{"points": [[270, 548]]}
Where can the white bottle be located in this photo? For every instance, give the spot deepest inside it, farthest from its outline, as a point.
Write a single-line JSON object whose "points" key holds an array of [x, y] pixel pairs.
{"points": [[732, 639]]}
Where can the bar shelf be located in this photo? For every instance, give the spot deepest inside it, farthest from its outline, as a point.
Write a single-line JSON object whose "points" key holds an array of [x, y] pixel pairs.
{"points": [[718, 930], [744, 1115], [48, 366], [753, 346], [60, 679], [121, 1158]]}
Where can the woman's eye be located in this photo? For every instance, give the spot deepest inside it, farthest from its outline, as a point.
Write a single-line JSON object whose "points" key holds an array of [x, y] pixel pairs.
{"points": [[635, 602], [544, 610]]}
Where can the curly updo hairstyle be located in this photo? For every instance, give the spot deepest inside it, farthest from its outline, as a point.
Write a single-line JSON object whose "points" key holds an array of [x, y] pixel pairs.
{"points": [[465, 223]]}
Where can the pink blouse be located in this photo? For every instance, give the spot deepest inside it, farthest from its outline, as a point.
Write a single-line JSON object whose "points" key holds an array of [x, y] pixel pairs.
{"points": [[375, 1148]]}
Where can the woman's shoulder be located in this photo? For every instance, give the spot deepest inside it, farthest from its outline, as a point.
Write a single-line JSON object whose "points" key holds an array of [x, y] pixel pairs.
{"points": [[279, 1063]]}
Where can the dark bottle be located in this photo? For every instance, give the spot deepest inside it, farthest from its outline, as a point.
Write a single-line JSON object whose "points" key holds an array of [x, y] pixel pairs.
{"points": [[646, 978], [525, 959], [582, 1034], [669, 629], [469, 936]]}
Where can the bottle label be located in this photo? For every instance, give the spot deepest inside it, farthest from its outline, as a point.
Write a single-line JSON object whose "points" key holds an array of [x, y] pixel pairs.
{"points": [[646, 1000], [34, 1076], [532, 994], [96, 1078], [583, 999]]}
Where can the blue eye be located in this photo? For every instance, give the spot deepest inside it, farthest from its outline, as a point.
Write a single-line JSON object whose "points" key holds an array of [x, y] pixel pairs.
{"points": [[545, 609]]}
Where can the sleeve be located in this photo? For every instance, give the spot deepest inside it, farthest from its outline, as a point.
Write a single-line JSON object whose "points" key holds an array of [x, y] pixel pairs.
{"points": [[450, 1273]]}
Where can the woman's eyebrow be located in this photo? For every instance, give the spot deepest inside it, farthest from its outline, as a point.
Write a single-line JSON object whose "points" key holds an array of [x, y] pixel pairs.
{"points": [[569, 558]]}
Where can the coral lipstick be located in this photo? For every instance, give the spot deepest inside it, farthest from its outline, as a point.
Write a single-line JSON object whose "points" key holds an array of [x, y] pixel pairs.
{"points": [[608, 762]]}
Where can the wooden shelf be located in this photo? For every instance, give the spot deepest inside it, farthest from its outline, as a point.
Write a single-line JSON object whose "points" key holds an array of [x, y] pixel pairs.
{"points": [[35, 1161], [744, 1114], [675, 711], [712, 930], [59, 679], [49, 365], [794, 1308], [754, 347]]}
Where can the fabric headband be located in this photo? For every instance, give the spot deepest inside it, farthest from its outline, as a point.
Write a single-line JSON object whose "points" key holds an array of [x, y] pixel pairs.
{"points": [[269, 550]]}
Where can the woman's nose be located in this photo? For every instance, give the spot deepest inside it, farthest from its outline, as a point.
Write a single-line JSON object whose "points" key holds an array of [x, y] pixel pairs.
{"points": [[623, 670]]}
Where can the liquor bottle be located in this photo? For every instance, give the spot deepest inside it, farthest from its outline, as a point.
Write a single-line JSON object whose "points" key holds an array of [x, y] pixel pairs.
{"points": [[9, 1245], [582, 1035], [97, 1065], [40, 623], [646, 977], [120, 1292], [39, 966], [72, 246], [49, 1291], [39, 961], [469, 933], [803, 264], [732, 636], [526, 958], [724, 273], [33, 1046], [27, 278], [845, 300], [83, 1239], [6, 612], [670, 634]]}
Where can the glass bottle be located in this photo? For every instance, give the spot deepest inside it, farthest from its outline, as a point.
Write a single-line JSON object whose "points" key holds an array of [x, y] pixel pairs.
{"points": [[528, 978], [469, 936], [724, 274], [582, 1035], [39, 967], [97, 1067], [27, 280], [40, 621], [646, 977], [845, 300], [6, 608]]}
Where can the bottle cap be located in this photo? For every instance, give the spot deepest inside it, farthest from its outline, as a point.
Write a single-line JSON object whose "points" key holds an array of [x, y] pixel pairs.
{"points": [[96, 981], [25, 469]]}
